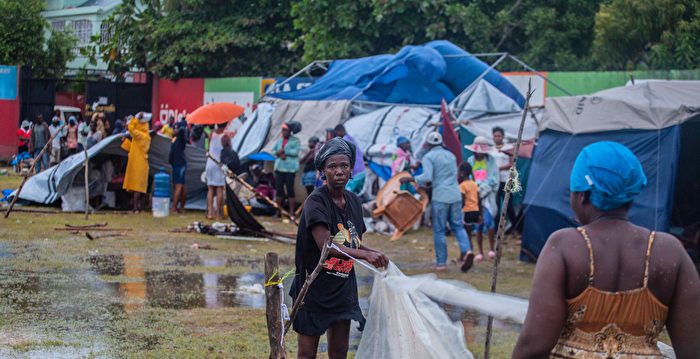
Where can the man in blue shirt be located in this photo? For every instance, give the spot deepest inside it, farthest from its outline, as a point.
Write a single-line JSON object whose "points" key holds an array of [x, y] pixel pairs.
{"points": [[440, 168]]}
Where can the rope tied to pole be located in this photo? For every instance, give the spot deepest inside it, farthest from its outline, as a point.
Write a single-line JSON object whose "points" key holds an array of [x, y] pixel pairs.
{"points": [[513, 184]]}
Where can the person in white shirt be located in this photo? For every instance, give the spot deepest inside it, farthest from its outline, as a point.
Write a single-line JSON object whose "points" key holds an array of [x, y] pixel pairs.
{"points": [[57, 142], [504, 161]]}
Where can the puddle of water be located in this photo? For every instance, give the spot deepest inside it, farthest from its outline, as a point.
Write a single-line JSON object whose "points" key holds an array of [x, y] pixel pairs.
{"points": [[178, 289]]}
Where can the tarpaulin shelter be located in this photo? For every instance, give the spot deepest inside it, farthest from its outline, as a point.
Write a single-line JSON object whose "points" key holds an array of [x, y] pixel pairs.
{"points": [[658, 121], [50, 185], [417, 77]]}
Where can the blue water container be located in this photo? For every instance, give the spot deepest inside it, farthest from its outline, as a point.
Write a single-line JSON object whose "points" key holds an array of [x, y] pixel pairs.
{"points": [[161, 194]]}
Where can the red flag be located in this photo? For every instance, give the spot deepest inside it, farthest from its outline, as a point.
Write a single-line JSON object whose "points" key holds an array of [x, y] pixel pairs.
{"points": [[449, 136]]}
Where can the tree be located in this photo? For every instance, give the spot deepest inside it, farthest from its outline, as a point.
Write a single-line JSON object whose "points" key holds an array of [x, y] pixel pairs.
{"points": [[200, 38], [631, 34], [22, 38], [550, 34]]}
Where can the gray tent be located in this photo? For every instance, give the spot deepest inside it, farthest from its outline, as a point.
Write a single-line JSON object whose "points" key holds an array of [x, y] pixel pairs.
{"points": [[49, 186]]}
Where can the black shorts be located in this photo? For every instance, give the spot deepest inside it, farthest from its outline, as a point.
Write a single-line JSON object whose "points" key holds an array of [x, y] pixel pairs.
{"points": [[23, 148], [316, 324], [284, 179], [471, 217]]}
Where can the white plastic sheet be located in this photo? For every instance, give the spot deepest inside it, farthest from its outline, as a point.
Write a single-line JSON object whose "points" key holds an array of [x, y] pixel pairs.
{"points": [[405, 323]]}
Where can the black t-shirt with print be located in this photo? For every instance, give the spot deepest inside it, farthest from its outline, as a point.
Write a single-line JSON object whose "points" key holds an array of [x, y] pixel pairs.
{"points": [[335, 288]]}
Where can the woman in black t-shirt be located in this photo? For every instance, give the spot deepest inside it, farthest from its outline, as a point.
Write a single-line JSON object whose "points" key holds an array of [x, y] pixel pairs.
{"points": [[331, 301]]}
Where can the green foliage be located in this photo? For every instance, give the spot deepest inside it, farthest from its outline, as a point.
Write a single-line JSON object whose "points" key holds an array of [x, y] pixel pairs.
{"points": [[213, 38], [654, 34], [551, 34], [188, 38], [22, 38]]}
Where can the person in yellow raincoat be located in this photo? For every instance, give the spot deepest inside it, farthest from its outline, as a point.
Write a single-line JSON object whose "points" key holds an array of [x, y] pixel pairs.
{"points": [[137, 144]]}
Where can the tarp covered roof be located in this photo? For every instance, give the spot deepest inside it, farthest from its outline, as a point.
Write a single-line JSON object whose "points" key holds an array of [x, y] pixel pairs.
{"points": [[416, 75], [647, 106]]}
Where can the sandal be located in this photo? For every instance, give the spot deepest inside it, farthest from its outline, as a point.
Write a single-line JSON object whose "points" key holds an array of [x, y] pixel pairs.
{"points": [[468, 262], [492, 254], [479, 257], [438, 268]]}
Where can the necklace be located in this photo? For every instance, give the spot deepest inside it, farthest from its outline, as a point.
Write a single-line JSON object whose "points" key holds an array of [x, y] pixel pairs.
{"points": [[623, 218]]}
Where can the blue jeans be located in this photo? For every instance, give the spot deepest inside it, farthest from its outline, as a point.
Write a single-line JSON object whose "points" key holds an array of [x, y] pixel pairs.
{"points": [[452, 213], [41, 163]]}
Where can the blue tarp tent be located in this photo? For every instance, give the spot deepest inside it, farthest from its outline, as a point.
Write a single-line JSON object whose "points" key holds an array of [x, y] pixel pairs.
{"points": [[646, 118], [416, 75]]}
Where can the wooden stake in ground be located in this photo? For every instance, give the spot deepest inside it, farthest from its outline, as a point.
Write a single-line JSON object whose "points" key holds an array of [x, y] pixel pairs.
{"points": [[259, 195], [87, 186], [31, 169], [309, 279], [273, 302], [502, 218]]}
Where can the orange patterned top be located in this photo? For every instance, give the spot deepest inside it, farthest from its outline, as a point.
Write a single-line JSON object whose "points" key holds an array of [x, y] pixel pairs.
{"points": [[612, 325]]}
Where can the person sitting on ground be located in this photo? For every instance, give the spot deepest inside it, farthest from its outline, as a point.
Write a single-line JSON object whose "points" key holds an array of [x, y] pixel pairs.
{"points": [[308, 175], [332, 299], [470, 197], [607, 288], [286, 152], [137, 142], [440, 168], [178, 161], [57, 142], [485, 172], [23, 134], [40, 136]]}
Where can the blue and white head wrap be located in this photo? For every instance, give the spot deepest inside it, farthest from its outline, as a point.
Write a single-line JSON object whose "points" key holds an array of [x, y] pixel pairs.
{"points": [[611, 172]]}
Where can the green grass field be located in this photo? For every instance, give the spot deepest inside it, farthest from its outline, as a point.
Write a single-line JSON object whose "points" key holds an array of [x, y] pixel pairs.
{"points": [[149, 294]]}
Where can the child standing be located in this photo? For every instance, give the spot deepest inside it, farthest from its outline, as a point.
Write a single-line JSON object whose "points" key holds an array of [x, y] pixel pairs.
{"points": [[471, 204]]}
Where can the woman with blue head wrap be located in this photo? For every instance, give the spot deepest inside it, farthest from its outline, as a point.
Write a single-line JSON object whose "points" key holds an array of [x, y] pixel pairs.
{"points": [[331, 211], [608, 287]]}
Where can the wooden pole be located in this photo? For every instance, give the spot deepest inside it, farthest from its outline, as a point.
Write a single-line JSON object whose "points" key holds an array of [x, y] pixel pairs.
{"points": [[259, 195], [87, 186], [502, 219], [309, 279], [273, 301], [31, 169]]}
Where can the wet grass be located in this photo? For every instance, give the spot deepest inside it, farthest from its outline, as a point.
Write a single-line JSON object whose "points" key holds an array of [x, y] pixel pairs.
{"points": [[63, 295]]}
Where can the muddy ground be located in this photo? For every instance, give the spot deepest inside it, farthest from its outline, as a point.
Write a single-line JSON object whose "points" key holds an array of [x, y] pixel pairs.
{"points": [[150, 294]]}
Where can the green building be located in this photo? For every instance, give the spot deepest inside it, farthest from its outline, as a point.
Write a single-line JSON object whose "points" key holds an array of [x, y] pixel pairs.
{"points": [[85, 18]]}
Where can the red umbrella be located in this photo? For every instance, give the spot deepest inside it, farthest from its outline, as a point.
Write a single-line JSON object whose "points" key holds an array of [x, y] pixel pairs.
{"points": [[215, 113]]}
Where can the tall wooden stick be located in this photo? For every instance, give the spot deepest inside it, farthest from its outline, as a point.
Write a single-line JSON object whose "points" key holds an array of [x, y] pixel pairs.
{"points": [[309, 279], [87, 186], [502, 219], [273, 301], [259, 195], [31, 169]]}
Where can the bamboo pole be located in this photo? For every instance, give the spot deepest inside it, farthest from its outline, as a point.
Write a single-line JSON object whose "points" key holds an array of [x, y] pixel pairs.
{"points": [[31, 169], [259, 195], [273, 302], [309, 279], [502, 219]]}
